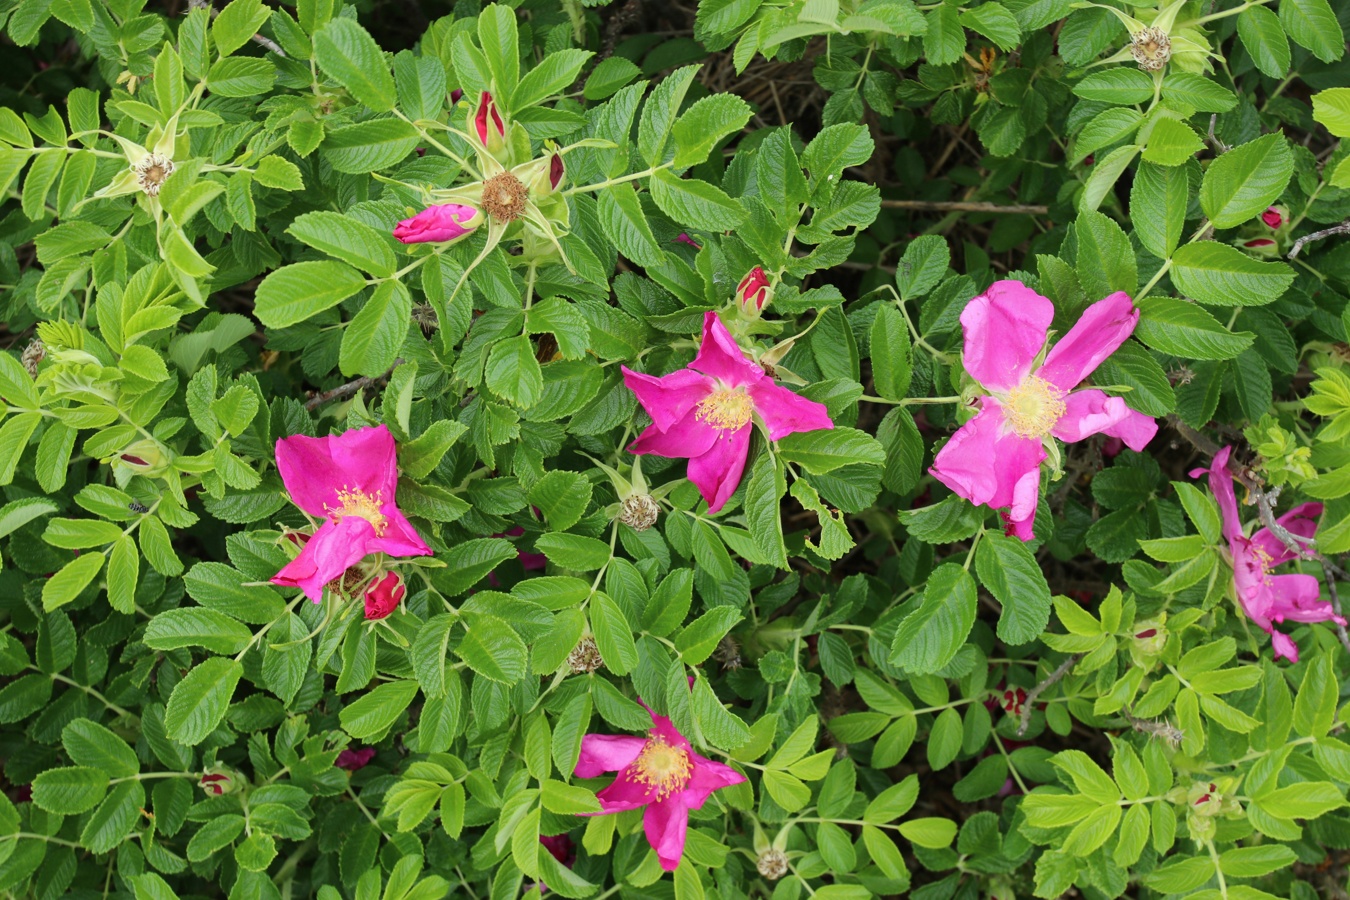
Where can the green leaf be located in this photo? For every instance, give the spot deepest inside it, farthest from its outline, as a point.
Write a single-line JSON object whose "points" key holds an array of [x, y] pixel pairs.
{"points": [[1264, 40], [1241, 183], [704, 124], [931, 634], [69, 791], [1158, 201], [346, 51], [199, 701], [1220, 275], [613, 634], [892, 353], [994, 22], [945, 39], [1010, 572], [1121, 86], [695, 203], [669, 603], [236, 24], [1105, 258], [373, 338], [241, 76], [608, 76], [226, 590], [1306, 800], [196, 627], [492, 648], [110, 824], [71, 580], [501, 46], [700, 637], [658, 115], [90, 744], [1312, 24], [763, 502], [922, 266], [367, 146], [562, 497], [1197, 92], [554, 74], [1171, 143], [369, 717], [347, 239], [294, 293], [1332, 108], [821, 452], [1186, 330], [624, 222]]}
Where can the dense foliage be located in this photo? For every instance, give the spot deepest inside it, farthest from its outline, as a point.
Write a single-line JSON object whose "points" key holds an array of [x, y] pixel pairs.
{"points": [[352, 357]]}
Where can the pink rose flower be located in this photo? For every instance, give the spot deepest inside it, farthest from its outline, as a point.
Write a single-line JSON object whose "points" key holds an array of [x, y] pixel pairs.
{"points": [[351, 760], [349, 480], [703, 413], [1268, 599], [660, 772], [384, 596], [995, 459], [439, 224]]}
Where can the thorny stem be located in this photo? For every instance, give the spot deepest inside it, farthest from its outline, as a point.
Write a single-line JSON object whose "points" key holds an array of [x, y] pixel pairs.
{"points": [[1029, 703]]}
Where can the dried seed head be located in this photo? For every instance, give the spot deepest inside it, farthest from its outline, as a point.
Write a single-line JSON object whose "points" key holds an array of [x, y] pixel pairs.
{"points": [[772, 864], [33, 354], [504, 197], [728, 653], [425, 317], [152, 171], [639, 512], [1151, 48], [585, 657]]}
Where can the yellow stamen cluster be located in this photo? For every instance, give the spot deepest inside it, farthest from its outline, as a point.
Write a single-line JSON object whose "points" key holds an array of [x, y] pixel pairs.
{"points": [[728, 409], [663, 767], [1034, 407], [359, 503]]}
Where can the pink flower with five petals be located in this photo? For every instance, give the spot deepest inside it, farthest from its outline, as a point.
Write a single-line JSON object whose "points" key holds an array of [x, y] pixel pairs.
{"points": [[704, 412], [348, 480], [995, 458], [660, 772], [1268, 599]]}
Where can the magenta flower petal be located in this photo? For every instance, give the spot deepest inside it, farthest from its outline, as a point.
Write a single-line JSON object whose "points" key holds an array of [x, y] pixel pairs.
{"points": [[315, 469], [717, 473], [984, 461], [399, 538], [785, 412], [668, 398], [328, 553], [1283, 646], [1088, 412], [1103, 327], [1300, 521], [721, 357], [1298, 598], [601, 753], [1221, 485], [666, 825], [689, 438], [709, 775], [1005, 329]]}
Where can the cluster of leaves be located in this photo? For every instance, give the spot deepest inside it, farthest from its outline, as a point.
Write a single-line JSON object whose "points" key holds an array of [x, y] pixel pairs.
{"points": [[196, 259]]}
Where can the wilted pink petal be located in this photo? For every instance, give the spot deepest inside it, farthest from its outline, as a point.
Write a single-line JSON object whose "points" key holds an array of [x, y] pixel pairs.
{"points": [[439, 224], [1268, 599], [1004, 329], [352, 760], [1098, 333]]}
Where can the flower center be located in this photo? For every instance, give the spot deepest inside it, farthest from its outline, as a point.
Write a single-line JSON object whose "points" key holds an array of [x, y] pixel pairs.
{"points": [[727, 409], [504, 197], [662, 767], [359, 503], [1033, 407], [1151, 49], [152, 171]]}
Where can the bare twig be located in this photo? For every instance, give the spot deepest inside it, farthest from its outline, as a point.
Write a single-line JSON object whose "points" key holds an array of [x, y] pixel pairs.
{"points": [[1035, 692], [257, 38], [1343, 228], [966, 206], [343, 391]]}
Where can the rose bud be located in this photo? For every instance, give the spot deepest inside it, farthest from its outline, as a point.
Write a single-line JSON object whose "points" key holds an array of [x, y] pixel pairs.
{"points": [[753, 293], [384, 596], [487, 125], [218, 781], [441, 224]]}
